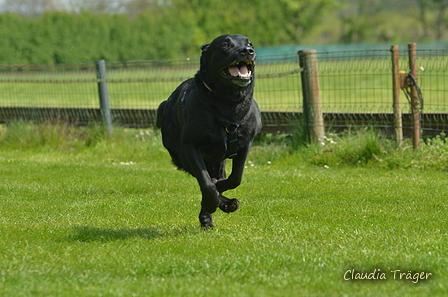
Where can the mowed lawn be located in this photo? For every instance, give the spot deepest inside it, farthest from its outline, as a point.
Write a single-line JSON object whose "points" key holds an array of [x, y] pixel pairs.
{"points": [[121, 221]]}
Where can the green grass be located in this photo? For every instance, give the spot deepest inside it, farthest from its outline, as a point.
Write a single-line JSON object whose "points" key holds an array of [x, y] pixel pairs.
{"points": [[82, 214]]}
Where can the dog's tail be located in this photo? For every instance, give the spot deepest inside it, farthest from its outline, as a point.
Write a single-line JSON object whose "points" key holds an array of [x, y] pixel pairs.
{"points": [[160, 114]]}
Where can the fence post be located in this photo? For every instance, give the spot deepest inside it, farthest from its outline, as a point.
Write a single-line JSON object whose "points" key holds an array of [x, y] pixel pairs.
{"points": [[412, 47], [312, 106], [398, 125], [103, 94]]}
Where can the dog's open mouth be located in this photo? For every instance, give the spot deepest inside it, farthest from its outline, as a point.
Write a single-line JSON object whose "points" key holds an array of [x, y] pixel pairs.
{"points": [[240, 72]]}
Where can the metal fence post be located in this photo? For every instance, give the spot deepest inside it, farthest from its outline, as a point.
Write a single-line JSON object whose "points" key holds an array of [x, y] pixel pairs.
{"points": [[103, 94], [412, 47], [398, 125], [312, 106]]}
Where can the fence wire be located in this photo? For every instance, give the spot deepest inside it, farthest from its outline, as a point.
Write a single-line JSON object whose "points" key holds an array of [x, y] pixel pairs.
{"points": [[355, 81], [356, 89]]}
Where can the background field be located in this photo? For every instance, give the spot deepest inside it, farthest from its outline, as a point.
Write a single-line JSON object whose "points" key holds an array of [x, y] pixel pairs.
{"points": [[137, 85], [87, 215], [350, 81]]}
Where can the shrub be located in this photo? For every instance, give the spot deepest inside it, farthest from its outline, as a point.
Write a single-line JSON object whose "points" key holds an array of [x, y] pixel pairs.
{"points": [[432, 154], [23, 135], [350, 148]]}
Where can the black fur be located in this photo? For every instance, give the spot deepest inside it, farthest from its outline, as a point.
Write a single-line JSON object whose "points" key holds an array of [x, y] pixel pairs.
{"points": [[212, 117]]}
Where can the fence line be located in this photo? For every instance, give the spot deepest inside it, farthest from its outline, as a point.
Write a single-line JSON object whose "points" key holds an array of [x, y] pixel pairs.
{"points": [[356, 90]]}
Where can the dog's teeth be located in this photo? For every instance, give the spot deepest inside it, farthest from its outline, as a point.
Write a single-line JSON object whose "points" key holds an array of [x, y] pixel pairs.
{"points": [[245, 75]]}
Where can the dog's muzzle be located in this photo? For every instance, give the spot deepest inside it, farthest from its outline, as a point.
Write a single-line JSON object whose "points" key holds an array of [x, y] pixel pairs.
{"points": [[240, 72]]}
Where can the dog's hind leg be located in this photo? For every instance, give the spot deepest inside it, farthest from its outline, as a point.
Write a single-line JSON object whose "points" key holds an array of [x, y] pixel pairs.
{"points": [[216, 172]]}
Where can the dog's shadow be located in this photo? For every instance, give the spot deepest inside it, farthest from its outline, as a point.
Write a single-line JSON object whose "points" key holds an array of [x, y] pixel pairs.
{"points": [[89, 234]]}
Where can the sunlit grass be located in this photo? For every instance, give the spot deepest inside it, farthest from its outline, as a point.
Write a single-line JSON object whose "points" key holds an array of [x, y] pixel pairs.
{"points": [[89, 215]]}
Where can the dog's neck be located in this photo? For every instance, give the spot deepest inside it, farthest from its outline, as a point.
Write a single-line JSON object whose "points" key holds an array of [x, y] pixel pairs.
{"points": [[225, 92], [207, 86], [201, 77]]}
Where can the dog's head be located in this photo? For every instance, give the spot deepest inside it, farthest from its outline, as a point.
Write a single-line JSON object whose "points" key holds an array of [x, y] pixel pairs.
{"points": [[228, 60]]}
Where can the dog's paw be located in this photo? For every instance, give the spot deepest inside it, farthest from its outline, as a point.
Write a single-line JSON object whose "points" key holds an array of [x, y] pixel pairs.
{"points": [[229, 205], [205, 219]]}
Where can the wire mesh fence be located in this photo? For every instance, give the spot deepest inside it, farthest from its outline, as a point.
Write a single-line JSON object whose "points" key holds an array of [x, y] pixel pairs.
{"points": [[433, 80], [362, 81], [357, 90], [355, 81], [355, 86]]}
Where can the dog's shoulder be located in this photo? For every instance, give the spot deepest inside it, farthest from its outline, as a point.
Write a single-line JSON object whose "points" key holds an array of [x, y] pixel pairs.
{"points": [[183, 87], [171, 107]]}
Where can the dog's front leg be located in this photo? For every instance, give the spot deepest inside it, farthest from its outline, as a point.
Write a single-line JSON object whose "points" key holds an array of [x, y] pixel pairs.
{"points": [[235, 177], [210, 195], [233, 181]]}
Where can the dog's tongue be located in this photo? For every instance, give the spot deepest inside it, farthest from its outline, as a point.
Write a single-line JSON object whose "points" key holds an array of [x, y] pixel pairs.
{"points": [[235, 71], [244, 71]]}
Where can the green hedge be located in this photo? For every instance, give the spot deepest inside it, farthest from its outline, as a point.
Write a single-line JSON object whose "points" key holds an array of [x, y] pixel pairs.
{"points": [[164, 32], [60, 38]]}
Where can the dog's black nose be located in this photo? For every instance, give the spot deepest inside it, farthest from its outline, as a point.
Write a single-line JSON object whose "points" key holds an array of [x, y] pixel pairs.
{"points": [[247, 51]]}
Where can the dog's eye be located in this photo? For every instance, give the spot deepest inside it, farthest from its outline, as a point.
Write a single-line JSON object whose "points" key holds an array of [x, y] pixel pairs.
{"points": [[225, 45], [250, 44]]}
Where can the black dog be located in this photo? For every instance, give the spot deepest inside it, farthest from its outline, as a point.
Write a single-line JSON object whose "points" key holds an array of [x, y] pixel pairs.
{"points": [[212, 117]]}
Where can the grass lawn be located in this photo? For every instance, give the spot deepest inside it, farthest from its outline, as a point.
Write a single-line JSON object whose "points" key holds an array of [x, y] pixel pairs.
{"points": [[116, 219]]}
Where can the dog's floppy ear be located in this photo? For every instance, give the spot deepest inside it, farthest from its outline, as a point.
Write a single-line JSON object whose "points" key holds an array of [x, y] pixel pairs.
{"points": [[205, 47]]}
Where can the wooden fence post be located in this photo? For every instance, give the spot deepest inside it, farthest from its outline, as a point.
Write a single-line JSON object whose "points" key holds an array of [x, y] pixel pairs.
{"points": [[398, 125], [412, 47], [103, 94], [312, 105]]}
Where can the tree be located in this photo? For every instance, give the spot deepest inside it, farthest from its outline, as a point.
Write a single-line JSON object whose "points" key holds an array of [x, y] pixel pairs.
{"points": [[30, 8], [94, 6], [437, 7], [136, 7], [300, 17], [357, 19]]}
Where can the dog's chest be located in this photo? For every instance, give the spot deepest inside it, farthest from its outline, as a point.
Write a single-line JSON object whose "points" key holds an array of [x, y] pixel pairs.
{"points": [[220, 144], [214, 144]]}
